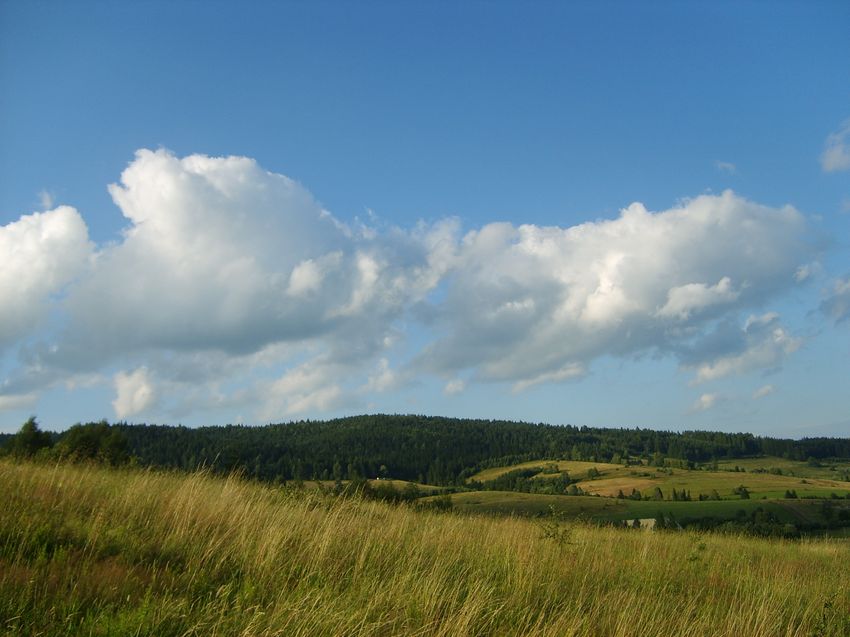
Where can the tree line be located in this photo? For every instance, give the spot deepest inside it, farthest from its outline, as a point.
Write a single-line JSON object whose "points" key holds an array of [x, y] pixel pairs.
{"points": [[426, 449]]}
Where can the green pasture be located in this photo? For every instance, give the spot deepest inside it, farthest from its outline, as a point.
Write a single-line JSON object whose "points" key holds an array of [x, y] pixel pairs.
{"points": [[829, 470], [601, 508]]}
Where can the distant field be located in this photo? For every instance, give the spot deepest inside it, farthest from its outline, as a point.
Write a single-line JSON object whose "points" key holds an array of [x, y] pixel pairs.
{"points": [[601, 508], [758, 484], [819, 481], [829, 470], [398, 485], [92, 551], [511, 502], [575, 468]]}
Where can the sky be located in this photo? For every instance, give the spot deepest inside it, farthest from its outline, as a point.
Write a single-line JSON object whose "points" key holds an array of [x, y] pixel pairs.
{"points": [[608, 214]]}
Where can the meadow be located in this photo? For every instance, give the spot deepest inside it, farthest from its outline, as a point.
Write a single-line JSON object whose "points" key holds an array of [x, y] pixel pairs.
{"points": [[755, 474], [90, 550], [603, 509]]}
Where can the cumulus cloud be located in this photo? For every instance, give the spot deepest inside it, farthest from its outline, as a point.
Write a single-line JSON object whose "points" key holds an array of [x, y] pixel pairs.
{"points": [[222, 255], [836, 154], [526, 303], [41, 253], [227, 273], [726, 167], [208, 259], [763, 391], [134, 393]]}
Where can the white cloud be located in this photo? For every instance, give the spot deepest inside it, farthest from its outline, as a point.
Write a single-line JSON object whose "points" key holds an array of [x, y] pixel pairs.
{"points": [[726, 167], [567, 372], [763, 391], [41, 253], [307, 276], [223, 255], [685, 300], [311, 386], [836, 154], [232, 286], [134, 393], [525, 302], [221, 261], [705, 402]]}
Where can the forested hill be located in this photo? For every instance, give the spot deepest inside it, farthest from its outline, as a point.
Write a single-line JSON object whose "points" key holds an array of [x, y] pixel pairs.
{"points": [[433, 449], [425, 449]]}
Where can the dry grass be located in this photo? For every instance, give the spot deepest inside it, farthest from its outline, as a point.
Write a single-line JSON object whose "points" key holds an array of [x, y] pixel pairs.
{"points": [[91, 551]]}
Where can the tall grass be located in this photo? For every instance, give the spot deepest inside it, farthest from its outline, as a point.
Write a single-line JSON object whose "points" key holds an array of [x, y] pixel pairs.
{"points": [[86, 550]]}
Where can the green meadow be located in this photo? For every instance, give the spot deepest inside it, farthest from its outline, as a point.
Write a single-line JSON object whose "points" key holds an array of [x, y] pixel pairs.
{"points": [[601, 509], [830, 470]]}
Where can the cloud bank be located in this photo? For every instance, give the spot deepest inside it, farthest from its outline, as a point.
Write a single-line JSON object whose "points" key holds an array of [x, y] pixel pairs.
{"points": [[231, 285], [530, 305]]}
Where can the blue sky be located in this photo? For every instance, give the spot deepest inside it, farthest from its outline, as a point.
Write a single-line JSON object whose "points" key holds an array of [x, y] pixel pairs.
{"points": [[450, 236]]}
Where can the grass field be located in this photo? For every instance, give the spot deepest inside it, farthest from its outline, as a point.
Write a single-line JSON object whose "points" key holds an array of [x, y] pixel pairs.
{"points": [[575, 468], [806, 482], [828, 471], [724, 482], [91, 551], [398, 485], [602, 508]]}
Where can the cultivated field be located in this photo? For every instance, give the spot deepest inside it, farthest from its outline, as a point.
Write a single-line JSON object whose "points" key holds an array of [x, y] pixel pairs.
{"points": [[804, 480], [573, 467], [92, 551]]}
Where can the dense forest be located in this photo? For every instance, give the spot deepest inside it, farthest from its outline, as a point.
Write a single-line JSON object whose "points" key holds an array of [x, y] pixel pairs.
{"points": [[427, 449]]}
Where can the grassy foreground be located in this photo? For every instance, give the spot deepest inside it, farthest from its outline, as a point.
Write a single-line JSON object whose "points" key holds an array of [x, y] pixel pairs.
{"points": [[86, 550]]}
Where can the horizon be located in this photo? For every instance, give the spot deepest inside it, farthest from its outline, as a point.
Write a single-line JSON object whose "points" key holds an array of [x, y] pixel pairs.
{"points": [[124, 423], [605, 214]]}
